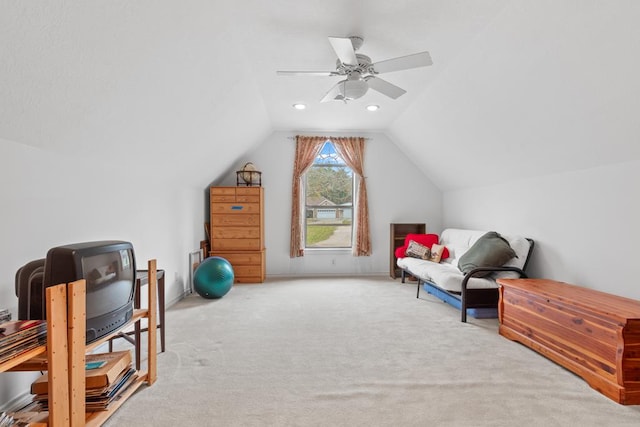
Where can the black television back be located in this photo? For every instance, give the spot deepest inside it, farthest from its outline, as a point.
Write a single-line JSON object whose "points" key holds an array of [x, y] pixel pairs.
{"points": [[109, 269]]}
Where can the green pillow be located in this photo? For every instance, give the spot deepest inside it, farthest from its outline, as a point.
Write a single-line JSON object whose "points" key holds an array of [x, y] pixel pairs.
{"points": [[490, 250]]}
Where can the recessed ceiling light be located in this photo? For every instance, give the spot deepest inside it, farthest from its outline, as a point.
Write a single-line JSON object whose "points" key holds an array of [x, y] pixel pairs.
{"points": [[373, 107], [299, 106]]}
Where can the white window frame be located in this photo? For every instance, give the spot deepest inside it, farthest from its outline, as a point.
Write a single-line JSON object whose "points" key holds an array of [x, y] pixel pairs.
{"points": [[354, 186]]}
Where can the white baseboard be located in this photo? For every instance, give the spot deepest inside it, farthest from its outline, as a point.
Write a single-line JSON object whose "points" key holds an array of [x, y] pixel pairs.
{"points": [[336, 275]]}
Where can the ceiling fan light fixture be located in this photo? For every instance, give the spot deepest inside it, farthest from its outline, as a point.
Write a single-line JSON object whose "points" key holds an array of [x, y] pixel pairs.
{"points": [[353, 87]]}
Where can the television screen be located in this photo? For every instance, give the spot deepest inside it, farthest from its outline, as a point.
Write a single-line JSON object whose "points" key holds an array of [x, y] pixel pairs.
{"points": [[109, 269], [109, 276]]}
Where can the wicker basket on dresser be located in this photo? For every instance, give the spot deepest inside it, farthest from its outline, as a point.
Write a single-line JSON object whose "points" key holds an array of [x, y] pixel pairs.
{"points": [[237, 230]]}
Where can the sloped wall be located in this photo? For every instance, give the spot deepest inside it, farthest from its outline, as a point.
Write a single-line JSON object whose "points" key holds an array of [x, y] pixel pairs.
{"points": [[548, 87], [50, 200], [108, 130]]}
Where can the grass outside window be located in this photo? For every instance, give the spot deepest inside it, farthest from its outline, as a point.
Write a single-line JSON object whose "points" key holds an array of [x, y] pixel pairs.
{"points": [[319, 233]]}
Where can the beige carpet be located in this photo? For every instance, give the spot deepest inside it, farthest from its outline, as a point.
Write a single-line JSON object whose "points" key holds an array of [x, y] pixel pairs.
{"points": [[353, 352]]}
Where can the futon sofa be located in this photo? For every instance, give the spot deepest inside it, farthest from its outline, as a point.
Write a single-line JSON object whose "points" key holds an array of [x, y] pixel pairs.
{"points": [[466, 282]]}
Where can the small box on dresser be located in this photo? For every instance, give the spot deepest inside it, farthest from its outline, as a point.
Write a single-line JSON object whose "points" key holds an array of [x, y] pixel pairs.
{"points": [[237, 230]]}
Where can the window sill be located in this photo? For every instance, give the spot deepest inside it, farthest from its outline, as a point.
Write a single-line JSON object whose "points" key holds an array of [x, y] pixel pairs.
{"points": [[309, 251]]}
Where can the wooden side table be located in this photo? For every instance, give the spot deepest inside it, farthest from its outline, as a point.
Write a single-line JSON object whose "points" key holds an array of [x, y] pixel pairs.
{"points": [[398, 233], [142, 279]]}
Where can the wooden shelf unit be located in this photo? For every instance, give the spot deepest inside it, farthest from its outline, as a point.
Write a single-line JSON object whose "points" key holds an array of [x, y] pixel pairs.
{"points": [[56, 359], [398, 233], [148, 377], [66, 349], [19, 362]]}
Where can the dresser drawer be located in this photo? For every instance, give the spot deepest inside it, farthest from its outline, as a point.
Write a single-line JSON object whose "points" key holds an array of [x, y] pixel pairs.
{"points": [[231, 194], [222, 194], [234, 198], [248, 199], [235, 244], [235, 232], [247, 271], [240, 258], [248, 280], [235, 208], [248, 191], [231, 220], [222, 190], [248, 267], [231, 198]]}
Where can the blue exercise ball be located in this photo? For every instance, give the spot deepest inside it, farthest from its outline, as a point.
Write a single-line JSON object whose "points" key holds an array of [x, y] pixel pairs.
{"points": [[213, 278]]}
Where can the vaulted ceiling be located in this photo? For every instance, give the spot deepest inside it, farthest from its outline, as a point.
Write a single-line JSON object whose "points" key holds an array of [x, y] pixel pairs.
{"points": [[516, 89]]}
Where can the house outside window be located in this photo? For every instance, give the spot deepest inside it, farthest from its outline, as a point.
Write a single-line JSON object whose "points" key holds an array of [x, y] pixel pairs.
{"points": [[329, 194]]}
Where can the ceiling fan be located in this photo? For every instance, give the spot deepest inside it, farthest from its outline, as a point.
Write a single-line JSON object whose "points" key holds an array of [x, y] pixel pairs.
{"points": [[361, 74]]}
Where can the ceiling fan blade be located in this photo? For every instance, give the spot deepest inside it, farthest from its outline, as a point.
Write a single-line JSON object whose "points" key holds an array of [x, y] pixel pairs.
{"points": [[344, 50], [416, 60], [334, 93], [385, 88], [307, 73]]}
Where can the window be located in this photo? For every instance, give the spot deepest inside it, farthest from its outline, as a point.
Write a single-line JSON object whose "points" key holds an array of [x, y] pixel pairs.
{"points": [[328, 195], [348, 156]]}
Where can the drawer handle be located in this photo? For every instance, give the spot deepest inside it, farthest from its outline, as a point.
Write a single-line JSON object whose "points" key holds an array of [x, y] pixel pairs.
{"points": [[236, 208]]}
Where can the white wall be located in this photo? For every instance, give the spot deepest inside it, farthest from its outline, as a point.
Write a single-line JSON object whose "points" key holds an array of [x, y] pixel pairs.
{"points": [[585, 223], [49, 199], [398, 192]]}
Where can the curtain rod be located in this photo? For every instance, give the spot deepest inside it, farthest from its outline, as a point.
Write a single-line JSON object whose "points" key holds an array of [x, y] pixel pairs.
{"points": [[294, 138]]}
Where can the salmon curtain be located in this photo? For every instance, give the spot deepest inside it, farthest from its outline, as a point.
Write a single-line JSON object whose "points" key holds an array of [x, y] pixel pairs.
{"points": [[352, 151], [307, 149]]}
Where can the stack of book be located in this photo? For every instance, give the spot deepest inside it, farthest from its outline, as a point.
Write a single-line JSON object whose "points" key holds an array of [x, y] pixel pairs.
{"points": [[5, 315], [108, 375], [18, 336]]}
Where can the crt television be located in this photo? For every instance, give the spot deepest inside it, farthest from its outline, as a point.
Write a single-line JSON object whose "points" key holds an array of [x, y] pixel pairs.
{"points": [[109, 268]]}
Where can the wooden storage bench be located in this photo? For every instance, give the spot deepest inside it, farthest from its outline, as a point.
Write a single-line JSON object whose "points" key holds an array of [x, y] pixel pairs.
{"points": [[591, 333]]}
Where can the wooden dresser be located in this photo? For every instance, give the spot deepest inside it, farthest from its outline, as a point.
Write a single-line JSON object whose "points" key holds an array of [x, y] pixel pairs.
{"points": [[237, 230], [591, 333]]}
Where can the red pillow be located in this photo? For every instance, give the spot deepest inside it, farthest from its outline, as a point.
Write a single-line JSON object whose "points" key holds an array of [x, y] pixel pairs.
{"points": [[427, 240], [424, 239]]}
